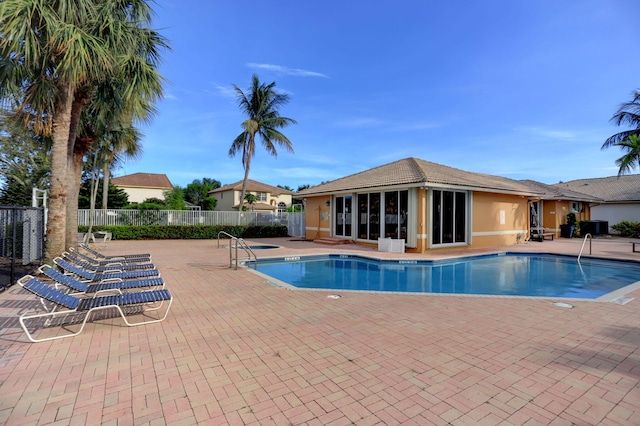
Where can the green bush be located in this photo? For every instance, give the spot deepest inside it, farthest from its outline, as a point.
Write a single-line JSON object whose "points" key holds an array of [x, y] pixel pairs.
{"points": [[200, 232], [627, 228]]}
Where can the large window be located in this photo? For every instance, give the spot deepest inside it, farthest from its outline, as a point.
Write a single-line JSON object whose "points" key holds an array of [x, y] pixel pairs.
{"points": [[449, 217], [382, 215]]}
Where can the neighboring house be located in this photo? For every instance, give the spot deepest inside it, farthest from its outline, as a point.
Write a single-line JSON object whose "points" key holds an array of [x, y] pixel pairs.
{"points": [[429, 205], [140, 186], [550, 209], [619, 195], [270, 198]]}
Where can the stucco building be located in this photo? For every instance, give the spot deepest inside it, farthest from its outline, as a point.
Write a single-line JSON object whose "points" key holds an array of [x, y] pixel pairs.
{"points": [[428, 205], [271, 199], [141, 186], [618, 197]]}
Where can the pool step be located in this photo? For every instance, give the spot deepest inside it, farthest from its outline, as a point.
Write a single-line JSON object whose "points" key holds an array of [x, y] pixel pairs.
{"points": [[332, 241]]}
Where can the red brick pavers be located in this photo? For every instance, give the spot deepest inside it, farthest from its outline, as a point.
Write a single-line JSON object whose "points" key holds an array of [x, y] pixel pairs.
{"points": [[238, 350]]}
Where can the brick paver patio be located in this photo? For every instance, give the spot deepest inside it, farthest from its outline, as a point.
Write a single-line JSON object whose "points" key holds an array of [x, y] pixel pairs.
{"points": [[237, 350]]}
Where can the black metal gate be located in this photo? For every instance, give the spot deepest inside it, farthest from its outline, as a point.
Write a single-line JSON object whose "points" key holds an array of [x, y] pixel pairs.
{"points": [[22, 237]]}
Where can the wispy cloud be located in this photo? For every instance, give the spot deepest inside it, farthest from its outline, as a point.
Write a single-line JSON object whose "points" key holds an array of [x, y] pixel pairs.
{"points": [[279, 69], [225, 91], [549, 133]]}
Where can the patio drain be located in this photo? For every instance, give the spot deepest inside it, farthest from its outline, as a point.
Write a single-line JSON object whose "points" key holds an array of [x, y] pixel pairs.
{"points": [[622, 300]]}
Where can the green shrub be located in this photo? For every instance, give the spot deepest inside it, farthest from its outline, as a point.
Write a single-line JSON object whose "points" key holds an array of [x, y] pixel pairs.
{"points": [[627, 228], [199, 232]]}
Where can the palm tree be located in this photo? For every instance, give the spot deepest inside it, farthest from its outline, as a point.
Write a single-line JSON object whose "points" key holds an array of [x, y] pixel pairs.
{"points": [[631, 159], [123, 143], [53, 55], [46, 53], [260, 104], [251, 199], [628, 140]]}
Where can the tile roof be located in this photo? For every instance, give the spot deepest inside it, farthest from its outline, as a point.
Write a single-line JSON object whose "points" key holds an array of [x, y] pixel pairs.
{"points": [[553, 192], [144, 180], [416, 171], [253, 186], [257, 207], [623, 188]]}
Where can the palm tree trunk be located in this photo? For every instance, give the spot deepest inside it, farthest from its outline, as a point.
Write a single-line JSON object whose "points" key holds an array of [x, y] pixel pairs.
{"points": [[75, 175], [76, 154], [106, 175], [247, 165], [57, 218]]}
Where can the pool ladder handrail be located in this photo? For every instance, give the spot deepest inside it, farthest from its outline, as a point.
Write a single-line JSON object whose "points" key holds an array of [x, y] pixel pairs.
{"points": [[244, 246], [584, 242], [234, 242]]}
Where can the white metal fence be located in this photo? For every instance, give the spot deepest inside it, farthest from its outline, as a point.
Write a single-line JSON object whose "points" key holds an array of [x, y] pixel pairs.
{"points": [[295, 222]]}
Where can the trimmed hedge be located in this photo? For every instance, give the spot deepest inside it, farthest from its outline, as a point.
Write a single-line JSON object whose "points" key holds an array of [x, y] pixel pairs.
{"points": [[627, 228], [163, 232]]}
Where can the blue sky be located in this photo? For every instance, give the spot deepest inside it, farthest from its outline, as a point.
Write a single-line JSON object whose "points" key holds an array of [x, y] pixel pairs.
{"points": [[523, 89]]}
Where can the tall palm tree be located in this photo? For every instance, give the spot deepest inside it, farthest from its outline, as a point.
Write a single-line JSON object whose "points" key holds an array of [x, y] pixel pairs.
{"points": [[53, 54], [628, 140], [260, 104], [46, 53]]}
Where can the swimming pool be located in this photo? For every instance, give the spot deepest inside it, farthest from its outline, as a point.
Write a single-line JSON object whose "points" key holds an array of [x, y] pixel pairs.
{"points": [[263, 247], [505, 274]]}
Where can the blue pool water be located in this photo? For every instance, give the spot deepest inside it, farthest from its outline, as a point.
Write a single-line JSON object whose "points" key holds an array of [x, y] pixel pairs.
{"points": [[503, 274]]}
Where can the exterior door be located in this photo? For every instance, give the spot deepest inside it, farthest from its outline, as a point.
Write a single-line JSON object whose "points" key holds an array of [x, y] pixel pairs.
{"points": [[343, 213]]}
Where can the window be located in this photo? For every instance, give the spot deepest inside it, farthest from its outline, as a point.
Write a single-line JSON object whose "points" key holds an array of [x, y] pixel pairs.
{"points": [[282, 207], [449, 217], [262, 196], [382, 215], [576, 207]]}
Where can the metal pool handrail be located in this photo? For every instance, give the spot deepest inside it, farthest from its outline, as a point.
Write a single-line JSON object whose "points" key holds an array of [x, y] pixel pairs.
{"points": [[234, 242], [224, 233], [244, 246], [583, 243]]}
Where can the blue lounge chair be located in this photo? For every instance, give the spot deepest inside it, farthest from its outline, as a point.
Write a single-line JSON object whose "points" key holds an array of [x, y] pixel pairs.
{"points": [[105, 268], [69, 305], [106, 262], [98, 255], [82, 274], [110, 286]]}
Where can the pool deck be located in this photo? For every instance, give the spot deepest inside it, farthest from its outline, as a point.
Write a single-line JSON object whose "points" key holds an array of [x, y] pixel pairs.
{"points": [[237, 350]]}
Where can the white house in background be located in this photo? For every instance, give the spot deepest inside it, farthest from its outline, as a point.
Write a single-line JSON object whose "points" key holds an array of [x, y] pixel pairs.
{"points": [[140, 186], [270, 198], [620, 195]]}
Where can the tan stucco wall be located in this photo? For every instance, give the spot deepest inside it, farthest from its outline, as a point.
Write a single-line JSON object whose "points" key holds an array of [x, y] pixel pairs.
{"points": [[228, 199], [555, 214], [138, 195], [317, 217], [422, 225], [498, 219]]}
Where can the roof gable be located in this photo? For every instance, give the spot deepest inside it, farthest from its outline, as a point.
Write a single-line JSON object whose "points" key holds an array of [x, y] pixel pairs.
{"points": [[253, 186], [143, 180], [410, 171]]}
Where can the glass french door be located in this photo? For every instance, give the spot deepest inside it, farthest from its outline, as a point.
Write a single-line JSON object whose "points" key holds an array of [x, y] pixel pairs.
{"points": [[449, 217], [343, 212]]}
